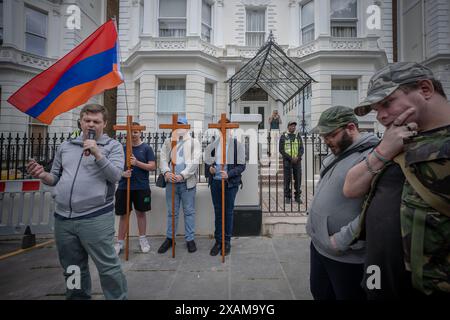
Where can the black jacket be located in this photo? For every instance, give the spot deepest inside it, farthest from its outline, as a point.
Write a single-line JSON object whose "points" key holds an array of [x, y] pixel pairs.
{"points": [[235, 166]]}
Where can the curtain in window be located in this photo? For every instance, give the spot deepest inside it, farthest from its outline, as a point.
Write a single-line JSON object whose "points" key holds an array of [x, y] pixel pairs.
{"points": [[172, 28], [171, 96], [344, 92]]}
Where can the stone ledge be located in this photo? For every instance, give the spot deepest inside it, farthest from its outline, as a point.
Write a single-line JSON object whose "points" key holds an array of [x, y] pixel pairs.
{"points": [[284, 225]]}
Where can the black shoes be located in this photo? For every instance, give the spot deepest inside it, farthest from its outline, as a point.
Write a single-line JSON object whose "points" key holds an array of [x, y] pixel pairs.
{"points": [[191, 246], [165, 245], [298, 200], [217, 248]]}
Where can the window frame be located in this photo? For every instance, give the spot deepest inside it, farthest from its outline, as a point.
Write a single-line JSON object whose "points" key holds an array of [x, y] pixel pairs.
{"points": [[302, 28], [165, 113], [172, 19], [263, 33], [203, 24], [345, 22]]}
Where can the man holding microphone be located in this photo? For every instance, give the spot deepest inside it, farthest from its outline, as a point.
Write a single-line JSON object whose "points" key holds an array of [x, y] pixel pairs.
{"points": [[84, 172]]}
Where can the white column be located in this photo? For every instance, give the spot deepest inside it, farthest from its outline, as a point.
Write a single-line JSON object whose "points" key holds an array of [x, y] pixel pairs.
{"points": [[218, 23], [294, 28], [231, 70], [321, 18], [194, 17], [195, 99], [147, 116]]}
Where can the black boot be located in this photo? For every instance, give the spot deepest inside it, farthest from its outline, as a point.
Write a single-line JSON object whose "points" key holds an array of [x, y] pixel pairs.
{"points": [[165, 245], [215, 249]]}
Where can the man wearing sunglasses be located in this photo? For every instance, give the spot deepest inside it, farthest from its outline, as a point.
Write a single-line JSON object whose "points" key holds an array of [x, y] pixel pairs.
{"points": [[336, 265]]}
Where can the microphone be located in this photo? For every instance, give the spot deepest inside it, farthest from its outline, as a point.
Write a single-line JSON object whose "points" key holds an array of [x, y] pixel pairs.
{"points": [[91, 136]]}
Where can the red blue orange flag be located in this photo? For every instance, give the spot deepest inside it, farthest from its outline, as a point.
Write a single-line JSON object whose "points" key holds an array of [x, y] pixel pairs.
{"points": [[89, 69]]}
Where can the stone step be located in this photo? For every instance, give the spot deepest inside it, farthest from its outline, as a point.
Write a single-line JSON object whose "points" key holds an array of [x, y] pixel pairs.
{"points": [[273, 226]]}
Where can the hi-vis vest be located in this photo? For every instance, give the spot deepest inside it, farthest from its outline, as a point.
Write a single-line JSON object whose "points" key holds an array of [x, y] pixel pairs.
{"points": [[291, 147]]}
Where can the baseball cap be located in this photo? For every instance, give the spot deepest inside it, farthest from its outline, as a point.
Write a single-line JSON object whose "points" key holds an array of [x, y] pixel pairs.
{"points": [[385, 81], [292, 122], [333, 118]]}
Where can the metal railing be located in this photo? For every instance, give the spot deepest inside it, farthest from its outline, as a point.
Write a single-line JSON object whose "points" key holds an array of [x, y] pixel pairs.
{"points": [[15, 150]]}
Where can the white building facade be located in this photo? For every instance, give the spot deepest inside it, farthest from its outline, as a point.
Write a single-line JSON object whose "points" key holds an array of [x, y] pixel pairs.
{"points": [[177, 54], [34, 34]]}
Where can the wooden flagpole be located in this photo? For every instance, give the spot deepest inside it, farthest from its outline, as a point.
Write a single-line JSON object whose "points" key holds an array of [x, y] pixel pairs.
{"points": [[129, 127], [174, 126]]}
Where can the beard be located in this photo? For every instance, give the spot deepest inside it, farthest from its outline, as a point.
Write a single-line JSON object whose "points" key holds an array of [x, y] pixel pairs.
{"points": [[345, 142]]}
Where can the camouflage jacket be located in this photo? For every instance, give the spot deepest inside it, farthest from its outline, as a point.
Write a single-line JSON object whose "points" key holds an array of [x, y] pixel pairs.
{"points": [[426, 232]]}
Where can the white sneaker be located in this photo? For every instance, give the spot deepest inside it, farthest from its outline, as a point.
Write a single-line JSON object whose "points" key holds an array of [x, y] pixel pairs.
{"points": [[145, 246], [118, 247]]}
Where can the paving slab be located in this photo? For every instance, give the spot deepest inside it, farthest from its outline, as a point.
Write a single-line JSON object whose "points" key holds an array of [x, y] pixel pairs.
{"points": [[258, 268]]}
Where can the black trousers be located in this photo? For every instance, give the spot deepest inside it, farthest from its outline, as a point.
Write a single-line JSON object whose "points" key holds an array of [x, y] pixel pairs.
{"points": [[334, 280], [290, 170]]}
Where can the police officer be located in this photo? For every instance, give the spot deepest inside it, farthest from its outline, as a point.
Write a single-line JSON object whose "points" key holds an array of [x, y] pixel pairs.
{"points": [[291, 147]]}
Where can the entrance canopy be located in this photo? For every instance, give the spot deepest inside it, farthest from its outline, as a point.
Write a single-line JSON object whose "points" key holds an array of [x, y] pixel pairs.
{"points": [[273, 71]]}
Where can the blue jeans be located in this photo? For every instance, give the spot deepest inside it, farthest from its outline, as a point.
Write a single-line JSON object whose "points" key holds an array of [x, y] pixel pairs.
{"points": [[76, 240], [187, 196], [230, 196]]}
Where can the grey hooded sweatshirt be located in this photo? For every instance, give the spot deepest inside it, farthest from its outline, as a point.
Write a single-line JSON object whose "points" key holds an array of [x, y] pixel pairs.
{"points": [[82, 184], [331, 213]]}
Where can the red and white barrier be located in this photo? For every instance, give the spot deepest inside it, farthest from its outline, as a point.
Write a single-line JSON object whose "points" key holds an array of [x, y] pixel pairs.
{"points": [[20, 185]]}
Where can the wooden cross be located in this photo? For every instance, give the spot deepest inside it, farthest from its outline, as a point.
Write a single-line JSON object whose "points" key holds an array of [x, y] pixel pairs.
{"points": [[174, 126], [223, 126], [129, 127]]}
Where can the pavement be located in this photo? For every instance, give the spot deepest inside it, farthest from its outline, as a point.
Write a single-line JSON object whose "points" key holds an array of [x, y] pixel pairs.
{"points": [[258, 268]]}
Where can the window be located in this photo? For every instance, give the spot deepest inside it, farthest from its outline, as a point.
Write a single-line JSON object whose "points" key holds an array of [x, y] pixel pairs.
{"points": [[1, 22], [209, 105], [206, 21], [255, 94], [172, 18], [307, 17], [37, 129], [256, 30], [141, 17], [171, 99], [137, 96], [343, 18], [36, 31], [344, 92]]}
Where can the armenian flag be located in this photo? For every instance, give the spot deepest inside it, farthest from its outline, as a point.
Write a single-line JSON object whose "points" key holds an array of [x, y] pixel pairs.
{"points": [[87, 70]]}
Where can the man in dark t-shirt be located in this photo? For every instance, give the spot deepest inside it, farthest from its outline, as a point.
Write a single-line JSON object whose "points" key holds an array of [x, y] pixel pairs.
{"points": [[143, 161], [383, 239]]}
